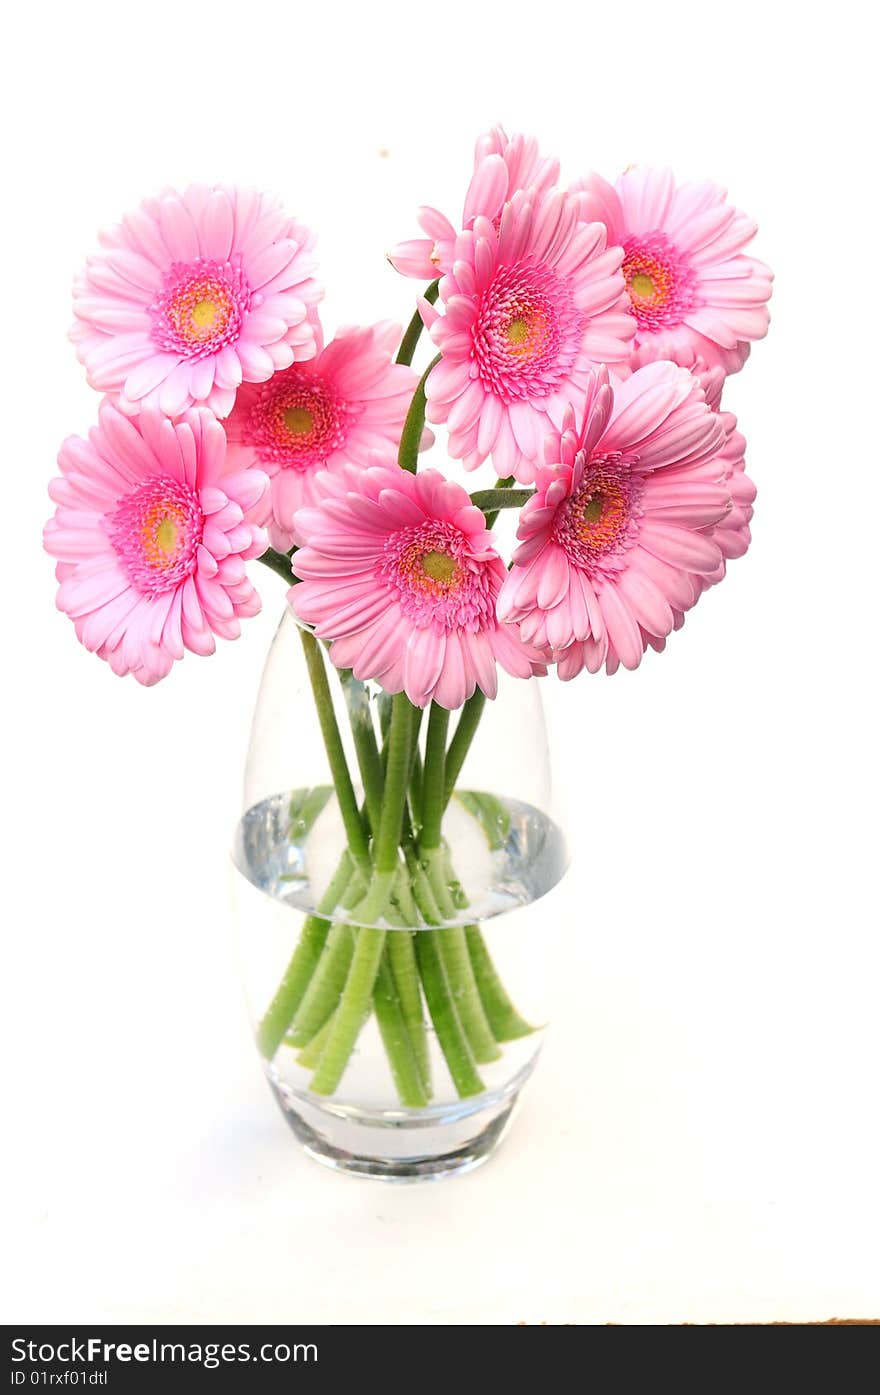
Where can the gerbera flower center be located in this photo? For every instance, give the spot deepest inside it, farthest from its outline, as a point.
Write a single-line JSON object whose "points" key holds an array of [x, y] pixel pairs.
{"points": [[297, 420], [167, 534], [660, 281], [603, 513], [641, 286], [155, 532], [437, 580], [595, 524], [200, 307], [439, 566], [205, 314], [528, 332]]}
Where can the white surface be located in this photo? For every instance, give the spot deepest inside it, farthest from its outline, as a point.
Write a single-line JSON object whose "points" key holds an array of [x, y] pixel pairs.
{"points": [[701, 1140]]}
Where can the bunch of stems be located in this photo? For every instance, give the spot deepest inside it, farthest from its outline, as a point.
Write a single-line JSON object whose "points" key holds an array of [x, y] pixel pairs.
{"points": [[388, 935]]}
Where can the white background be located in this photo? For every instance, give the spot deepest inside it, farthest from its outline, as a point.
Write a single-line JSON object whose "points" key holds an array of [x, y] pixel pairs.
{"points": [[701, 1139]]}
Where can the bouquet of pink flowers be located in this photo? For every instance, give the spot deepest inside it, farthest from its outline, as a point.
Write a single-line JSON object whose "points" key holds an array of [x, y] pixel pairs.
{"points": [[582, 337]]}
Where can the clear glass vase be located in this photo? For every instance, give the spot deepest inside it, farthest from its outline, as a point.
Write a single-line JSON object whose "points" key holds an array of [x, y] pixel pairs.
{"points": [[396, 1043]]}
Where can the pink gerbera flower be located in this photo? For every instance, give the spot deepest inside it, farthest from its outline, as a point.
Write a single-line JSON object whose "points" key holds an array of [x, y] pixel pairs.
{"points": [[615, 534], [400, 574], [191, 295], [344, 404], [528, 310], [151, 533], [502, 165], [731, 533], [693, 291]]}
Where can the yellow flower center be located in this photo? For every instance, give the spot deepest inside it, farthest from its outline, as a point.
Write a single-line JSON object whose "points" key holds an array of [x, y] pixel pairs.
{"points": [[517, 332], [642, 286], [205, 314], [298, 421], [166, 535], [439, 566]]}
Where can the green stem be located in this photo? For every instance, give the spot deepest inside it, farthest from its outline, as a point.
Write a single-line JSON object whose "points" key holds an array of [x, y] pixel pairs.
{"points": [[433, 863], [504, 1021], [453, 1042], [306, 806], [311, 1052], [401, 953], [386, 842], [355, 1001], [416, 786], [456, 890], [487, 1013], [369, 761], [322, 996], [445, 996], [405, 1068], [399, 950], [433, 779], [411, 435], [491, 500], [414, 328], [354, 1006], [461, 741], [278, 562], [421, 888], [493, 513], [403, 897], [297, 976], [457, 964], [463, 984], [507, 1024], [328, 980], [348, 807]]}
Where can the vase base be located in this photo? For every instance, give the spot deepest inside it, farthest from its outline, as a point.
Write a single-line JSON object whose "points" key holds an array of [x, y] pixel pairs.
{"points": [[400, 1145]]}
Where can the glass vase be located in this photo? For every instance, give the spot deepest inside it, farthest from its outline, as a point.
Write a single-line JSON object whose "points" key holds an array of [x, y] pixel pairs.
{"points": [[396, 1044]]}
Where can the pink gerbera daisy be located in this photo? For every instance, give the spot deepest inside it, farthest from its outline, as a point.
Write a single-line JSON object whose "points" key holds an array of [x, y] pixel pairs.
{"points": [[151, 533], [693, 291], [615, 534], [502, 165], [528, 310], [731, 533], [400, 574], [191, 295], [344, 404]]}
